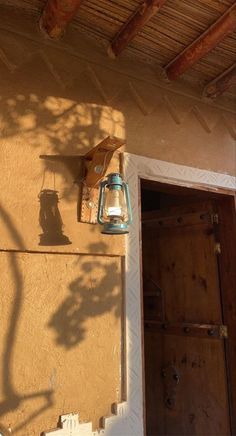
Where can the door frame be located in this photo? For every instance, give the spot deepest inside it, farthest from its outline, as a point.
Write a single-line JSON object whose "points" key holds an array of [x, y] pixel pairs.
{"points": [[136, 167]]}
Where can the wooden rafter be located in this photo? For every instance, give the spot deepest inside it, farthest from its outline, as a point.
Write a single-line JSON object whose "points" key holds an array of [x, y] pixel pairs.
{"points": [[202, 45], [221, 83], [134, 24], [56, 16]]}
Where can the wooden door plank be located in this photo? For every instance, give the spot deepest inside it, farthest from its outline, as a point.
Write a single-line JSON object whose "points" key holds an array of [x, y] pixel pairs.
{"points": [[181, 259], [201, 403], [189, 274], [227, 266]]}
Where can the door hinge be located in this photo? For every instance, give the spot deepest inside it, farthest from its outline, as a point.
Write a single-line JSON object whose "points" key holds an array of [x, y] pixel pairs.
{"points": [[215, 218], [214, 331], [217, 248]]}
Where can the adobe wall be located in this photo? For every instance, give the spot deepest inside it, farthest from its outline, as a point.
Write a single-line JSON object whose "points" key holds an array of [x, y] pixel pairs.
{"points": [[61, 328]]}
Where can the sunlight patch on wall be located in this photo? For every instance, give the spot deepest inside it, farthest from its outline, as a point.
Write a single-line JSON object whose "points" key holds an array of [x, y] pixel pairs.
{"points": [[62, 125]]}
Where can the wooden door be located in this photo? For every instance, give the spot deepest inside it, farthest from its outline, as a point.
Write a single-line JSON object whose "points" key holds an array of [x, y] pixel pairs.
{"points": [[185, 365]]}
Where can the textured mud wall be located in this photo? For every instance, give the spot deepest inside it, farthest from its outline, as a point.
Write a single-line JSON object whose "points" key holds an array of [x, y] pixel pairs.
{"points": [[60, 348], [60, 339]]}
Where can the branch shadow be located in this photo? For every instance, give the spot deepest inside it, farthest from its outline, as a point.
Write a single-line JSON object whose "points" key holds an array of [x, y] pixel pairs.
{"points": [[70, 128], [45, 115], [86, 301], [13, 399]]}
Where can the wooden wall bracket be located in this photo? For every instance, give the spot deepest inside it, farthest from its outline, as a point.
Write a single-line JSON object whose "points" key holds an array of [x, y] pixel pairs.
{"points": [[96, 162]]}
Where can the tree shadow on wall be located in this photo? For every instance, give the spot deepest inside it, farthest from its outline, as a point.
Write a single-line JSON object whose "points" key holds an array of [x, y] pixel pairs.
{"points": [[93, 293], [68, 125], [12, 399], [69, 128]]}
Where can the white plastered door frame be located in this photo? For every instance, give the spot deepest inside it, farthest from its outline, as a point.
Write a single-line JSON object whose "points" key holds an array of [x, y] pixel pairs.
{"points": [[136, 168], [128, 419]]}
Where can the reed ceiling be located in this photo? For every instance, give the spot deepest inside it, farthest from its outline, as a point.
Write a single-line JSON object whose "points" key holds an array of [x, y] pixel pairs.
{"points": [[176, 25]]}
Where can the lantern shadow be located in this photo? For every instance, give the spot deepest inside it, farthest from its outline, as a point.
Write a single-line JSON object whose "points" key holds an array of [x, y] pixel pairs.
{"points": [[50, 220]]}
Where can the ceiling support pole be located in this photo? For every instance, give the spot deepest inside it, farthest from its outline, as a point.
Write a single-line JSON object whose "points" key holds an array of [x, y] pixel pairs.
{"points": [[56, 16], [225, 25], [221, 83], [134, 24]]}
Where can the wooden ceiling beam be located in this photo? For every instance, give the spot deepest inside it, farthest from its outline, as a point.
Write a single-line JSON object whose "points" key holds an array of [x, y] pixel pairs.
{"points": [[225, 25], [221, 83], [56, 16], [134, 24]]}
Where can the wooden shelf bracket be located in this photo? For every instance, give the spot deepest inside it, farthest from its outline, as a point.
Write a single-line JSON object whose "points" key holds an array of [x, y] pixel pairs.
{"points": [[96, 162]]}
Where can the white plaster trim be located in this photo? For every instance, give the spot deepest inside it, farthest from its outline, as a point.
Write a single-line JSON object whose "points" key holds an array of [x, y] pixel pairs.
{"points": [[128, 417], [70, 426], [136, 167]]}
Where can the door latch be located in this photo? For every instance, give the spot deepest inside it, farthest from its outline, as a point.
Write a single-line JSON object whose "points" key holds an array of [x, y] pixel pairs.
{"points": [[217, 248]]}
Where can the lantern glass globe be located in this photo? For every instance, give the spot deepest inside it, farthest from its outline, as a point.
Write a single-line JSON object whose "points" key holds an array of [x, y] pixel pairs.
{"points": [[115, 205]]}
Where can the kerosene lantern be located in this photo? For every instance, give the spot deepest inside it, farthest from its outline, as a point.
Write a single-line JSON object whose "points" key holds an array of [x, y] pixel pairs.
{"points": [[114, 208]]}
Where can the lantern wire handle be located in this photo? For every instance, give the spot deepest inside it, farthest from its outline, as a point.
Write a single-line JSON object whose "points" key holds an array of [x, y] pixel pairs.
{"points": [[101, 201], [43, 180]]}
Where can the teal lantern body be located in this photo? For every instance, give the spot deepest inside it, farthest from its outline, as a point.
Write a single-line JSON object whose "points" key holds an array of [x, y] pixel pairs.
{"points": [[114, 208]]}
